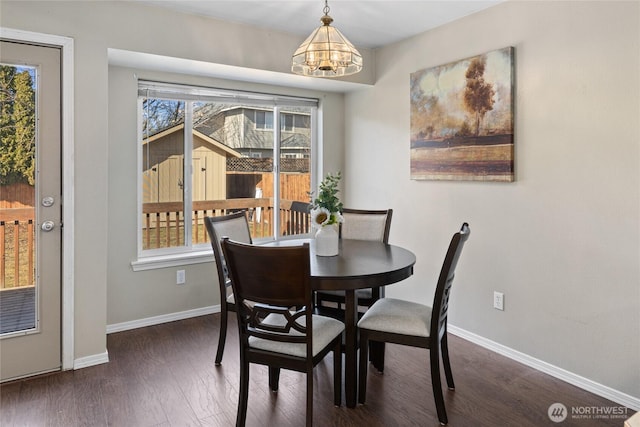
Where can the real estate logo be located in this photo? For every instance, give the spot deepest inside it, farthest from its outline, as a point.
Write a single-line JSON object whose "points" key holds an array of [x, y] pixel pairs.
{"points": [[557, 412]]}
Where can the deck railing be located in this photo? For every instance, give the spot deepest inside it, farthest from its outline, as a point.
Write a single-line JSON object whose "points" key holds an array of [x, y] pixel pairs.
{"points": [[17, 247], [163, 226], [163, 223]]}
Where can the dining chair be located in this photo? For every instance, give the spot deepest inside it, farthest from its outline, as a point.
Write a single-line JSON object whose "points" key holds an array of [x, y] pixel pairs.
{"points": [[416, 325], [236, 227], [272, 286], [360, 224], [298, 219]]}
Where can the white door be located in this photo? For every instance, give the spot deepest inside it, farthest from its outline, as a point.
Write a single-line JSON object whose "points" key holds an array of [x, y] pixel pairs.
{"points": [[30, 269]]}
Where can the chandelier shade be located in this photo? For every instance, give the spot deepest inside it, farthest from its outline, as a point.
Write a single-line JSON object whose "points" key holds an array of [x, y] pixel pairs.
{"points": [[326, 53]]}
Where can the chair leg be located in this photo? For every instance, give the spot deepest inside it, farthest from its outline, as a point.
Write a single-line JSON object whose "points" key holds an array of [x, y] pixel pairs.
{"points": [[376, 350], [274, 378], [243, 398], [363, 366], [337, 373], [223, 334], [446, 362], [310, 398], [436, 384]]}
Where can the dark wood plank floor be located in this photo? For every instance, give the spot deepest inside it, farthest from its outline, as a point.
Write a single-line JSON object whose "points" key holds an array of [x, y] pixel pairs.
{"points": [[164, 376]]}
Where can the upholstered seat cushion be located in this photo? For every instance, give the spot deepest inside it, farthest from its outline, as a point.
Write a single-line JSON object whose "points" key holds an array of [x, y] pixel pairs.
{"points": [[325, 329], [398, 317]]}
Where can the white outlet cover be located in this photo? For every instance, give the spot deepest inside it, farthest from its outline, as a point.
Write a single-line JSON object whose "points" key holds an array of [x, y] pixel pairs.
{"points": [[498, 300], [180, 277]]}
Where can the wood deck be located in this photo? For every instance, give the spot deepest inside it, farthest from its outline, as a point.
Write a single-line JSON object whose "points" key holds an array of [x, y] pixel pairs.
{"points": [[17, 309]]}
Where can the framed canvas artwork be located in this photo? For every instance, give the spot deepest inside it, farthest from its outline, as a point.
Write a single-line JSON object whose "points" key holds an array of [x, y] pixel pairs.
{"points": [[462, 119]]}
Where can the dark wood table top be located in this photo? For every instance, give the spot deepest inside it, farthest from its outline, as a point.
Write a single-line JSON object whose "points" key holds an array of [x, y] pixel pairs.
{"points": [[360, 264]]}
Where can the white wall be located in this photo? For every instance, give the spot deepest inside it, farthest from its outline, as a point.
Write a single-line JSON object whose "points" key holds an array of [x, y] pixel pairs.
{"points": [[107, 291], [562, 241]]}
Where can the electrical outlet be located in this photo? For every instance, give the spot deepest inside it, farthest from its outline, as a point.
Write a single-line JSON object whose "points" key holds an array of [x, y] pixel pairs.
{"points": [[180, 277], [498, 300]]}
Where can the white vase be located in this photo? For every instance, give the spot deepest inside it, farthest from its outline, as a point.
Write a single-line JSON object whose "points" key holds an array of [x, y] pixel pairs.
{"points": [[327, 241]]}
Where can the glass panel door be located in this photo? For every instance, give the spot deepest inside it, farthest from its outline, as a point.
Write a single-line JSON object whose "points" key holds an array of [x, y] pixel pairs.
{"points": [[30, 210]]}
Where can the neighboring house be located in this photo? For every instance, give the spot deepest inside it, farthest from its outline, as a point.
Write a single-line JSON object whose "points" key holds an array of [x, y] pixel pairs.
{"points": [[249, 131]]}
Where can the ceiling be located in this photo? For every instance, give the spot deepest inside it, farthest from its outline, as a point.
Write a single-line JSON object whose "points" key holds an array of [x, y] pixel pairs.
{"points": [[366, 23]]}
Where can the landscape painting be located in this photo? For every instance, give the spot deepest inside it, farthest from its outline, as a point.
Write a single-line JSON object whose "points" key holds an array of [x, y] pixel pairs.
{"points": [[462, 119]]}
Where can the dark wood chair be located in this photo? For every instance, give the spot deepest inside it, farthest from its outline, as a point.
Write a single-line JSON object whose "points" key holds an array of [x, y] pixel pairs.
{"points": [[299, 219], [267, 282], [416, 325], [360, 224], [236, 227]]}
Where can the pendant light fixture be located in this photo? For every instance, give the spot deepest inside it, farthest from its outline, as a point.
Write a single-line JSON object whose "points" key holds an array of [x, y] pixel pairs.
{"points": [[326, 52]]}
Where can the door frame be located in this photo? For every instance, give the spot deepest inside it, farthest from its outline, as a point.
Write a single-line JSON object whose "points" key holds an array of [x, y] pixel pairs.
{"points": [[65, 44]]}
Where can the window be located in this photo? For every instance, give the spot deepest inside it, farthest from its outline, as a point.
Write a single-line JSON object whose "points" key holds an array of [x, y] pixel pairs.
{"points": [[291, 122], [287, 122], [192, 165], [264, 120]]}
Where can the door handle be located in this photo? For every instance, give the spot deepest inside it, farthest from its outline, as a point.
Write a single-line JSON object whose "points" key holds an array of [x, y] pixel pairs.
{"points": [[48, 226]]}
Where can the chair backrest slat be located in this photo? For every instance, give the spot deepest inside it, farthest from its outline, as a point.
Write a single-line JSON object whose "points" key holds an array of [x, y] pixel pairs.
{"points": [[440, 307]]}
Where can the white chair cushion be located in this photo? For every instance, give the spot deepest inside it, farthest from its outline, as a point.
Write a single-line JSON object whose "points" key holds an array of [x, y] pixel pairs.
{"points": [[325, 329], [397, 317]]}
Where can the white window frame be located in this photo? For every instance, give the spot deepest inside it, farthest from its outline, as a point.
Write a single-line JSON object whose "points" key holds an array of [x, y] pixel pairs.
{"points": [[148, 259], [265, 123]]}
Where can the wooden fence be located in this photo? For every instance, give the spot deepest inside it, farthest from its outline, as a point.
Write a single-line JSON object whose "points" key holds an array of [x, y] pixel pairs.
{"points": [[18, 195]]}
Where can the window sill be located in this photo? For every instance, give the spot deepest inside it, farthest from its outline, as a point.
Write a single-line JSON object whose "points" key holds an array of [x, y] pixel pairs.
{"points": [[172, 260]]}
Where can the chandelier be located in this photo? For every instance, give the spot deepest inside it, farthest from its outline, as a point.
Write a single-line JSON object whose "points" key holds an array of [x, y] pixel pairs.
{"points": [[326, 52]]}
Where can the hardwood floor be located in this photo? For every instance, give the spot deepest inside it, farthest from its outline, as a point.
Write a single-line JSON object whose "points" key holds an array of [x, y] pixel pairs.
{"points": [[164, 375]]}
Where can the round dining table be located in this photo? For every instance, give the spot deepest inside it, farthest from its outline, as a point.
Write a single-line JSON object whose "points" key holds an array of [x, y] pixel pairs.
{"points": [[359, 264]]}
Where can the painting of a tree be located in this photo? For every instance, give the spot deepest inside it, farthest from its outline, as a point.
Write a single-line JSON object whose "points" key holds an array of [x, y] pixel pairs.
{"points": [[478, 94], [462, 119]]}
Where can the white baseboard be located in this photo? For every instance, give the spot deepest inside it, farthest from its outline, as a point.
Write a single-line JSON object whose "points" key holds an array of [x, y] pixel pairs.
{"points": [[164, 318], [562, 374], [95, 359]]}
